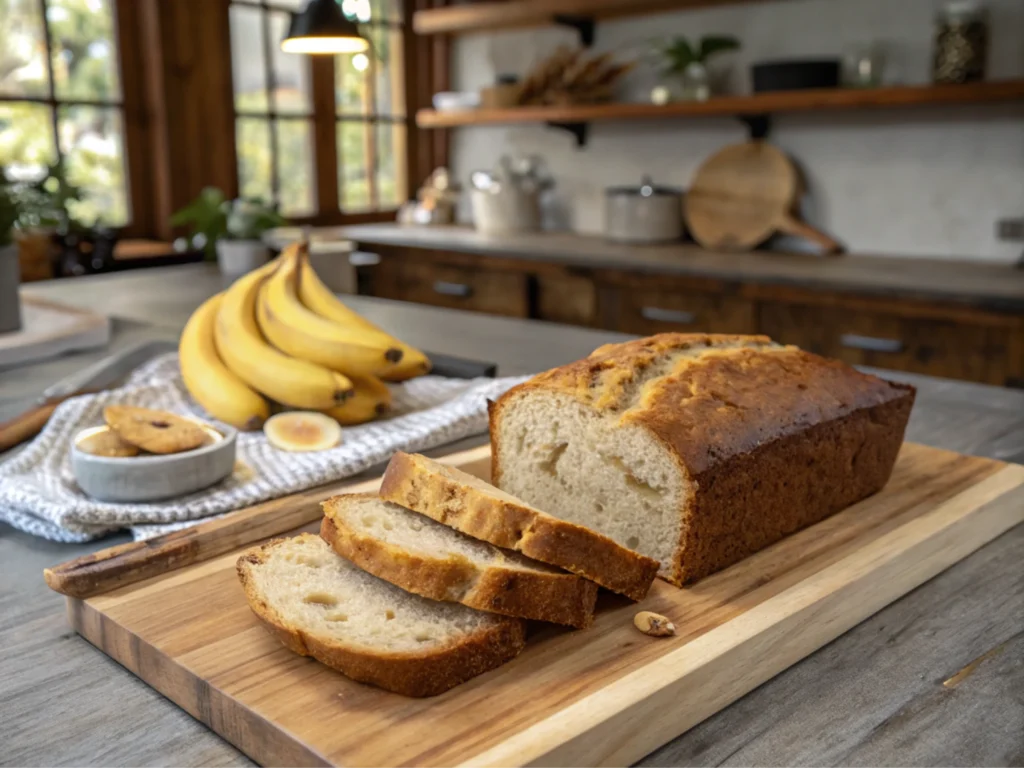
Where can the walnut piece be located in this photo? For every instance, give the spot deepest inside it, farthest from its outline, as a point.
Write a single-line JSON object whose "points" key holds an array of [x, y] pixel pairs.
{"points": [[654, 624]]}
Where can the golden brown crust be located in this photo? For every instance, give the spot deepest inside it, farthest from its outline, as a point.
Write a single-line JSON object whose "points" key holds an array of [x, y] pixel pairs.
{"points": [[788, 485], [560, 598], [773, 438], [416, 483], [410, 674]]}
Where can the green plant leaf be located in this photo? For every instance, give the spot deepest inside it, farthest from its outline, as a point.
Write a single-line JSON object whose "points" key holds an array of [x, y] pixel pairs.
{"points": [[713, 44], [206, 216], [677, 54], [215, 217]]}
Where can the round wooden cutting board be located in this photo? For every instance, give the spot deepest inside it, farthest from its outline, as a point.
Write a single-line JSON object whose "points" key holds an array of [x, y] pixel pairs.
{"points": [[742, 195]]}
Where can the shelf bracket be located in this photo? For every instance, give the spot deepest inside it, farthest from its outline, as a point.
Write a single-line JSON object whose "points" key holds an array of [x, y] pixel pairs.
{"points": [[578, 130], [582, 24], [759, 126]]}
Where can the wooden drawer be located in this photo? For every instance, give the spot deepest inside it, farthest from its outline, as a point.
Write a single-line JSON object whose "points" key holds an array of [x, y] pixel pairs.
{"points": [[647, 310], [566, 298], [950, 348], [442, 285]]}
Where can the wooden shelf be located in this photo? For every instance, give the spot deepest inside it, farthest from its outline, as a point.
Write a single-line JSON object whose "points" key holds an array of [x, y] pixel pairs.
{"points": [[536, 13], [758, 104]]}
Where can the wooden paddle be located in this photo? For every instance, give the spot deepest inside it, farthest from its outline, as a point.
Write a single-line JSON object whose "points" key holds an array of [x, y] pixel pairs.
{"points": [[745, 193]]}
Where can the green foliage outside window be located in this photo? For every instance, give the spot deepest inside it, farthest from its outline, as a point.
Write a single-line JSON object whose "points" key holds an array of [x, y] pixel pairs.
{"points": [[85, 67]]}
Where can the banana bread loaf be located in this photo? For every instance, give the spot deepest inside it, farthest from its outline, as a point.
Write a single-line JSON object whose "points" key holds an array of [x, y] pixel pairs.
{"points": [[698, 449]]}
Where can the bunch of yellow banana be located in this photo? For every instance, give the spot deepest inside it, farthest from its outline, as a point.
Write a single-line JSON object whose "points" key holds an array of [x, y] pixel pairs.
{"points": [[279, 333]]}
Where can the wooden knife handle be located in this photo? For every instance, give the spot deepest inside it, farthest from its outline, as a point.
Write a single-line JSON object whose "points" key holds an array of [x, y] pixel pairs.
{"points": [[27, 425]]}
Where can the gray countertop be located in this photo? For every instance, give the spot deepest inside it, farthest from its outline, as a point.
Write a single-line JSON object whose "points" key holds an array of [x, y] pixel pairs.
{"points": [[875, 696], [992, 286]]}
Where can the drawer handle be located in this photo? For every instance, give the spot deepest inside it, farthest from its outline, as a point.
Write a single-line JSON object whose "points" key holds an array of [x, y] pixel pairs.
{"points": [[668, 315], [446, 288], [363, 259], [870, 343]]}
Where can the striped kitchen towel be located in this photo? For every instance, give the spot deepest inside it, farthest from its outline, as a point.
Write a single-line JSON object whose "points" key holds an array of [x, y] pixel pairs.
{"points": [[38, 493]]}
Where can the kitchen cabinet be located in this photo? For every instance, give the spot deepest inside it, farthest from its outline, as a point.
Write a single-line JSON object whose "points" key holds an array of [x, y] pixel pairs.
{"points": [[566, 298], [646, 304], [857, 317], [974, 348], [454, 287]]}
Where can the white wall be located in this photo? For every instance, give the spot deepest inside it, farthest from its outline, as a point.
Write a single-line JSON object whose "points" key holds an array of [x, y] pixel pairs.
{"points": [[907, 182]]}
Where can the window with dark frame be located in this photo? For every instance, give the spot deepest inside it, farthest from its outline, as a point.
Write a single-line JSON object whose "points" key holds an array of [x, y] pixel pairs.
{"points": [[61, 99], [282, 117]]}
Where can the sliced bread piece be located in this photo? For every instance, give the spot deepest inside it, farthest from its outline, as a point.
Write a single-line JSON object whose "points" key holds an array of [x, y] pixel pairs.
{"points": [[319, 604], [430, 559], [474, 507]]}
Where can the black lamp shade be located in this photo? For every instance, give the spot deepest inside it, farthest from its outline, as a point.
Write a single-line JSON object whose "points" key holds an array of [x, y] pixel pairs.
{"points": [[323, 28]]}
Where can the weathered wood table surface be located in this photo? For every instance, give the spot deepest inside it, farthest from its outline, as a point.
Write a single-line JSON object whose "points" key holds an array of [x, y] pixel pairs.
{"points": [[934, 679]]}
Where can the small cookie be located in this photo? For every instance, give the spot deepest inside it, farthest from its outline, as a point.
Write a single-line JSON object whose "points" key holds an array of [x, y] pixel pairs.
{"points": [[154, 431], [107, 443]]}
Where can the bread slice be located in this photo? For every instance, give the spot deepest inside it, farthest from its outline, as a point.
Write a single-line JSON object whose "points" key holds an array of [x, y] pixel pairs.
{"points": [[427, 558], [474, 507], [319, 604]]}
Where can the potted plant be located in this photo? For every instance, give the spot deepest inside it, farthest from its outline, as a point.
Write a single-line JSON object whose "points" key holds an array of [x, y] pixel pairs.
{"points": [[80, 248], [43, 221], [10, 269], [229, 231], [685, 66]]}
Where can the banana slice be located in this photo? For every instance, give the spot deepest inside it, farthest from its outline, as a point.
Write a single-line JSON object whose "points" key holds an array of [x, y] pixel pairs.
{"points": [[302, 431]]}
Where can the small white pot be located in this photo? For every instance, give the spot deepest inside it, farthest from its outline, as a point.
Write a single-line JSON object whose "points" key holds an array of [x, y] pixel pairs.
{"points": [[236, 257], [10, 276]]}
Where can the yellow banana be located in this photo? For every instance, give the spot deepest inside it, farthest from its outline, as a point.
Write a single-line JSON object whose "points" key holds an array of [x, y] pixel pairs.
{"points": [[299, 332], [413, 363], [293, 382], [224, 396], [371, 400], [320, 299]]}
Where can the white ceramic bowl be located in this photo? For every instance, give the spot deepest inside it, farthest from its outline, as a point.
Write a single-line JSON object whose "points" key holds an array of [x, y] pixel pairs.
{"points": [[153, 477]]}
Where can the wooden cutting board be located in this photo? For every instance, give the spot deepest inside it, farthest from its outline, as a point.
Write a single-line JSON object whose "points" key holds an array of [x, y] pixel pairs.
{"points": [[606, 695], [49, 329], [745, 193]]}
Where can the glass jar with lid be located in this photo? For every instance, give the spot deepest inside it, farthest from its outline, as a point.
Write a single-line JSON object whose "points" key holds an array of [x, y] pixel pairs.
{"points": [[961, 42]]}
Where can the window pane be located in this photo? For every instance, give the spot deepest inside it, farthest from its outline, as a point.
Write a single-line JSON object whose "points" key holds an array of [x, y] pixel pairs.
{"points": [[353, 153], [247, 63], [389, 94], [291, 71], [357, 10], [386, 10], [252, 145], [295, 167], [363, 11], [390, 165], [351, 83], [92, 140], [22, 49], [27, 145], [84, 46]]}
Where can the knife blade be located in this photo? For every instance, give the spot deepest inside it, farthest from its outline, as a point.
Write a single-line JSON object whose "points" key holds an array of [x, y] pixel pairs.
{"points": [[104, 373]]}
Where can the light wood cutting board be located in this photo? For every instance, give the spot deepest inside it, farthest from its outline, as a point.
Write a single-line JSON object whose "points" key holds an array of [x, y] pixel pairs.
{"points": [[606, 695]]}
